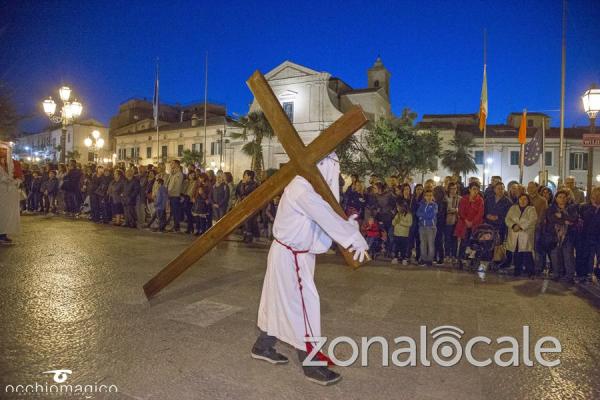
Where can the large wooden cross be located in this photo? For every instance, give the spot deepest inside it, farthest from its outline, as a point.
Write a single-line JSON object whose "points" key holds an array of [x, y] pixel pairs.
{"points": [[303, 160]]}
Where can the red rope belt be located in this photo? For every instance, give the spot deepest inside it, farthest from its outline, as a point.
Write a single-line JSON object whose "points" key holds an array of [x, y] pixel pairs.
{"points": [[307, 327]]}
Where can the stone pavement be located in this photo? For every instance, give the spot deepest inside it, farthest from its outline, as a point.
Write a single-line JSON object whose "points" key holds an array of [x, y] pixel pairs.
{"points": [[71, 298]]}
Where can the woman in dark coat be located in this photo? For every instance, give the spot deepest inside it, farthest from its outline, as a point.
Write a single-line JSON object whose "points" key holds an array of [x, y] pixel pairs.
{"points": [[115, 190]]}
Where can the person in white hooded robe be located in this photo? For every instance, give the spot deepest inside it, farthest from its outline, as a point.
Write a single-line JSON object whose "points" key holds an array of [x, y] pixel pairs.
{"points": [[9, 195], [289, 309]]}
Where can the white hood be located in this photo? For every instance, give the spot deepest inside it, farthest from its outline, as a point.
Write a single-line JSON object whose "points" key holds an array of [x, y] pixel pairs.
{"points": [[330, 169]]}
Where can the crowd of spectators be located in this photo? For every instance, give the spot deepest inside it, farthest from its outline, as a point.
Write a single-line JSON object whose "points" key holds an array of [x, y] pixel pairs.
{"points": [[425, 224]]}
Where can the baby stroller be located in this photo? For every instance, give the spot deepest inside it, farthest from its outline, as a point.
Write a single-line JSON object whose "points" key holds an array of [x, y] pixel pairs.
{"points": [[483, 241]]}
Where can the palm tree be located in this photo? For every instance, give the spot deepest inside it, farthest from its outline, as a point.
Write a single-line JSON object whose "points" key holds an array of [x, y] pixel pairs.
{"points": [[192, 157], [256, 123], [459, 160]]}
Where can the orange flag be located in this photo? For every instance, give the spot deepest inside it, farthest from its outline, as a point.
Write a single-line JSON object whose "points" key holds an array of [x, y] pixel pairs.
{"points": [[523, 128], [483, 103]]}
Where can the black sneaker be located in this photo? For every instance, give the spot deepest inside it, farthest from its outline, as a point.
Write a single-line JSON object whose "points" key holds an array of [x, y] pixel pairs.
{"points": [[321, 375], [269, 355]]}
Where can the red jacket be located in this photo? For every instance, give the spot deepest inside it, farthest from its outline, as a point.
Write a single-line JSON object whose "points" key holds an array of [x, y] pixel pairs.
{"points": [[372, 230], [468, 211]]}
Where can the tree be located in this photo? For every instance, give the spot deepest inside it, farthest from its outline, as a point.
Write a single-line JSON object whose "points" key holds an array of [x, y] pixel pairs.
{"points": [[257, 124], [459, 159], [192, 157], [391, 147], [72, 155], [9, 118]]}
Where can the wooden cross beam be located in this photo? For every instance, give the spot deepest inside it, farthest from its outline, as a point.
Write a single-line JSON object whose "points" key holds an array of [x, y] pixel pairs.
{"points": [[303, 160]]}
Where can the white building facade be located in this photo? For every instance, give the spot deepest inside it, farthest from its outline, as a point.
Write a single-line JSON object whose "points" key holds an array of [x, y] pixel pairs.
{"points": [[503, 150], [314, 100], [42, 146], [221, 151]]}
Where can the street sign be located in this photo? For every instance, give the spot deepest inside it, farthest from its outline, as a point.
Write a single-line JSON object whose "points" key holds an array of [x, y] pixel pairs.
{"points": [[591, 140]]}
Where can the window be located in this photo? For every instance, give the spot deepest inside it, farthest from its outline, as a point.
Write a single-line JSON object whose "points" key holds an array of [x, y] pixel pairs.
{"points": [[69, 137], [376, 84], [514, 158], [90, 157], [179, 150], [478, 155], [149, 152], [548, 158], [529, 123], [197, 147], [163, 152], [288, 107], [122, 153], [132, 152], [215, 148], [578, 161]]}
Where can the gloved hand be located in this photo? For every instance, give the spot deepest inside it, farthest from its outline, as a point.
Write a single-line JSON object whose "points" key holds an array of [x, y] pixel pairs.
{"points": [[353, 221], [360, 248]]}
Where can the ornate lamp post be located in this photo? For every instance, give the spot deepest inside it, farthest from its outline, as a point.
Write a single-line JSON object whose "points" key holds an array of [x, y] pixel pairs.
{"points": [[95, 143], [591, 105], [69, 111]]}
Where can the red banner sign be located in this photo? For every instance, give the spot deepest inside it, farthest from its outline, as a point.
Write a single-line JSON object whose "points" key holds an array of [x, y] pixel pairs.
{"points": [[591, 140]]}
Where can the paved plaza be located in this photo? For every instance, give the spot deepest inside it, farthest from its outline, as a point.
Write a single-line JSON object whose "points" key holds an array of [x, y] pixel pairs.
{"points": [[71, 298]]}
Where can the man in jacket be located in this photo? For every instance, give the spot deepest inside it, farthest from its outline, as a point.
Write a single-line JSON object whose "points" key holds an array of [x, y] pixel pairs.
{"points": [[427, 215], [174, 185], [220, 198], [590, 235], [247, 186], [130, 195], [561, 219]]}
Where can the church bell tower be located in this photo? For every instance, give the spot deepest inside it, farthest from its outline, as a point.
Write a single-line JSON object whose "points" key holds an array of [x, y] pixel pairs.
{"points": [[379, 77]]}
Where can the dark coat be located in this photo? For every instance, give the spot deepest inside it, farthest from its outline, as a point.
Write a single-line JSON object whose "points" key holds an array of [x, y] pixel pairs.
{"points": [[50, 185], [131, 191], [561, 226], [591, 223], [498, 208], [220, 195]]}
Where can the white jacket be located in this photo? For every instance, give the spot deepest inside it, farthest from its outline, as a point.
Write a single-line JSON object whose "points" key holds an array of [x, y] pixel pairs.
{"points": [[526, 220]]}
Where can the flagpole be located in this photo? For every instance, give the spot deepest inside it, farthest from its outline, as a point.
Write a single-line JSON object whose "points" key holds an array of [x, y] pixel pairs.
{"points": [[485, 123], [205, 104], [522, 154], [156, 115], [561, 151], [543, 154]]}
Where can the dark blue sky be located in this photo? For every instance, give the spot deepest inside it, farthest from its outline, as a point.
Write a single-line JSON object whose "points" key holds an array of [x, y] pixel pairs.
{"points": [[106, 50]]}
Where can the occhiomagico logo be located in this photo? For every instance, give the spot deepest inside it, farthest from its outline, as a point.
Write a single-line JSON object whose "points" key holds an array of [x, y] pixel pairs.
{"points": [[446, 349], [59, 387]]}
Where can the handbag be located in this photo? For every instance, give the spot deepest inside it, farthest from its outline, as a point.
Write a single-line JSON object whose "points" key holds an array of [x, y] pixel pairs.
{"points": [[499, 253]]}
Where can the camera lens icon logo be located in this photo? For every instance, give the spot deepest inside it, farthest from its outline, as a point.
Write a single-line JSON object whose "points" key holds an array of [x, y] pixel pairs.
{"points": [[60, 375], [447, 345]]}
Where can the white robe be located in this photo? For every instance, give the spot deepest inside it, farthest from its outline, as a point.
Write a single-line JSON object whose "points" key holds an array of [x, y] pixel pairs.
{"points": [[304, 221], [9, 199]]}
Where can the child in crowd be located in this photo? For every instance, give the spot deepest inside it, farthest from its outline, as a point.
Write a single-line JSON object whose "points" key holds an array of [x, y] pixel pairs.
{"points": [[271, 212], [160, 204], [427, 215], [372, 231], [49, 191], [402, 223], [201, 210], [34, 197]]}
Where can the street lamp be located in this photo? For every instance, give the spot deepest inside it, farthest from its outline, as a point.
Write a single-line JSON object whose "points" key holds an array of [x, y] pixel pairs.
{"points": [[69, 111], [591, 105], [94, 143]]}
